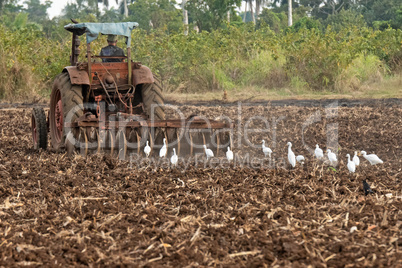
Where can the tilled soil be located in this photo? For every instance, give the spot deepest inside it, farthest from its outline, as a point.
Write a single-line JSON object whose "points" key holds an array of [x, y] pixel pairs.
{"points": [[98, 211]]}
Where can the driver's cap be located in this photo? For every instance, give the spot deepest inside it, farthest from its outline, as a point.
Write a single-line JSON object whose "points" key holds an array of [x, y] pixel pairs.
{"points": [[112, 38]]}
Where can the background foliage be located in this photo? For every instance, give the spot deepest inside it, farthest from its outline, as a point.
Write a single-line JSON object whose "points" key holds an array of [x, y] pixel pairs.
{"points": [[350, 47]]}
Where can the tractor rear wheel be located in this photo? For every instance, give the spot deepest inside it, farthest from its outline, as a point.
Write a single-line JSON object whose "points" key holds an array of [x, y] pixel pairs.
{"points": [[66, 105], [39, 128], [153, 100]]}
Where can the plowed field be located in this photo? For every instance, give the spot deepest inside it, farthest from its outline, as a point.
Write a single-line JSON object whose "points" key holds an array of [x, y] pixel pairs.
{"points": [[98, 211]]}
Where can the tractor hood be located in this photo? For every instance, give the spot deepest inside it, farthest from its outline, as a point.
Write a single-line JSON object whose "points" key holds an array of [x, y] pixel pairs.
{"points": [[94, 29]]}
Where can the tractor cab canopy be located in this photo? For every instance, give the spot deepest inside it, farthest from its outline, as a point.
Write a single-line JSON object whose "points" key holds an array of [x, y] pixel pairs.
{"points": [[92, 30]]}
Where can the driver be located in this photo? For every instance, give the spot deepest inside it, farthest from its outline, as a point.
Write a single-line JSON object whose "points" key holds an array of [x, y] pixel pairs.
{"points": [[112, 49]]}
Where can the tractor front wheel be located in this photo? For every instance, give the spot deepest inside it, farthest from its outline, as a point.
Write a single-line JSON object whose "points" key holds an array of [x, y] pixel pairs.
{"points": [[39, 129], [66, 105]]}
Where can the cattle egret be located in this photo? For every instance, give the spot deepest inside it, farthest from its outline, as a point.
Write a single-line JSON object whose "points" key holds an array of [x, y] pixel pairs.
{"points": [[163, 151], [291, 155], [318, 152], [331, 156], [174, 158], [208, 152], [351, 165], [300, 159], [147, 149], [356, 159], [372, 158], [266, 150], [229, 155]]}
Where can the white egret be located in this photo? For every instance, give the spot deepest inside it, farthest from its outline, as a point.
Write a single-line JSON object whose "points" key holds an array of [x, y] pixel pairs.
{"points": [[318, 152], [356, 159], [291, 155], [147, 149], [372, 158], [300, 159], [331, 156], [229, 154], [163, 151], [208, 152], [351, 164], [174, 159], [266, 150]]}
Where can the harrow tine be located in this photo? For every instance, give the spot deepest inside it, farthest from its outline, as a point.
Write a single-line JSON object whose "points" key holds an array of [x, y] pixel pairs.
{"points": [[138, 142], [102, 140], [231, 141], [191, 144], [157, 139], [151, 142], [93, 139], [110, 141], [70, 143], [197, 142], [132, 139], [167, 141], [98, 148], [178, 142], [83, 142], [171, 138], [217, 144], [121, 142]]}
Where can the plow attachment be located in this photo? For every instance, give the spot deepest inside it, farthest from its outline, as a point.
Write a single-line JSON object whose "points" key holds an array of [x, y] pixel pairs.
{"points": [[128, 134]]}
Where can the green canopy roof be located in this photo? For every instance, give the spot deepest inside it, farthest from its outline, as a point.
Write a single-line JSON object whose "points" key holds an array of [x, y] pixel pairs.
{"points": [[92, 30]]}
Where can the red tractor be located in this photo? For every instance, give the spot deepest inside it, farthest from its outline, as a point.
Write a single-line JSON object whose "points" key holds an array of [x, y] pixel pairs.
{"points": [[116, 106]]}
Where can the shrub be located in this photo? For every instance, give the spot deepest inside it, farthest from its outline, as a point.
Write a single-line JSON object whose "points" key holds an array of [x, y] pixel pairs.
{"points": [[363, 70]]}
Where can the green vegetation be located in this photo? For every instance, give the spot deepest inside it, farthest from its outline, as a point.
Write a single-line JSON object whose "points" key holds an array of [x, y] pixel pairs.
{"points": [[344, 53]]}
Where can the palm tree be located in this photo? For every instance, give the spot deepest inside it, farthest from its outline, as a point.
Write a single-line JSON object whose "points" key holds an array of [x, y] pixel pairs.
{"points": [[252, 11], [290, 19], [185, 16], [245, 11], [123, 7], [258, 5]]}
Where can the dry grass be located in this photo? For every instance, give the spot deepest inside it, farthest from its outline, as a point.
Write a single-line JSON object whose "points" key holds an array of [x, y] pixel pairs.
{"points": [[18, 83], [390, 87]]}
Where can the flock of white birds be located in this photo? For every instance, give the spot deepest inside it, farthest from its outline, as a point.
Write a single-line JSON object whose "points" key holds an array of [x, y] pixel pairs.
{"points": [[319, 154], [292, 158]]}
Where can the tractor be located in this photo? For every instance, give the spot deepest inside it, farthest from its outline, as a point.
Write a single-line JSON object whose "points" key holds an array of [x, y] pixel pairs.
{"points": [[116, 107]]}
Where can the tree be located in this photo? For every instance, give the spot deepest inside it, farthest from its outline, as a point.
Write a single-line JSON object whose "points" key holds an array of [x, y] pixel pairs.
{"points": [[210, 14], [111, 15], [275, 21], [306, 23], [80, 10], [9, 9], [378, 12], [323, 8], [252, 11], [185, 16], [124, 7], [290, 18], [155, 14], [345, 19], [258, 5], [37, 12]]}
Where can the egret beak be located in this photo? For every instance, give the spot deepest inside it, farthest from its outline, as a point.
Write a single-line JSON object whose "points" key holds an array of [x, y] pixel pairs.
{"points": [[359, 154]]}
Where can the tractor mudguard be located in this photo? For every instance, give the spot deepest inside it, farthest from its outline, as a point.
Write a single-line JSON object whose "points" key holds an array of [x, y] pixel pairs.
{"points": [[77, 77], [142, 75]]}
